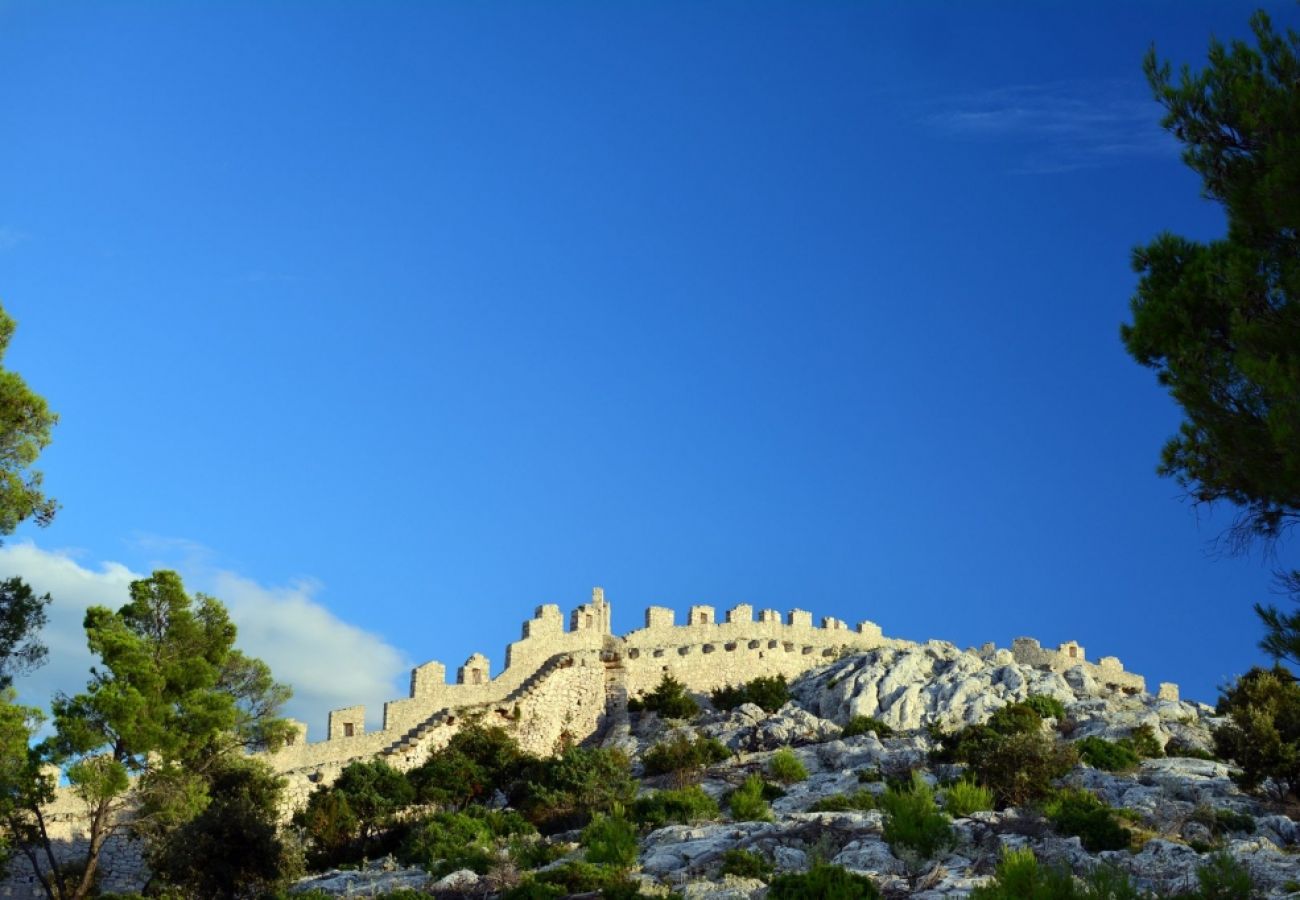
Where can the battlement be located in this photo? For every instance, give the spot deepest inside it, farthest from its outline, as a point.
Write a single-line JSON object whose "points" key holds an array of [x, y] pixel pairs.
{"points": [[704, 652]]}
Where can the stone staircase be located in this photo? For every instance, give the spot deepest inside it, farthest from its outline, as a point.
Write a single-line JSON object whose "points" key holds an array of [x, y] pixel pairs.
{"points": [[526, 689]]}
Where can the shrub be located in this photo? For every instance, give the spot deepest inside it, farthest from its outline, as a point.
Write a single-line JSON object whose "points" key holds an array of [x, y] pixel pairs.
{"points": [[747, 864], [1079, 813], [770, 693], [913, 821], [858, 801], [747, 803], [684, 758], [476, 761], [669, 699], [571, 878], [966, 797], [610, 841], [1103, 754], [1223, 821], [823, 882], [1016, 718], [660, 808], [1223, 878], [1263, 736], [1019, 876], [1143, 741], [785, 767], [1019, 768], [565, 791], [447, 841], [862, 724], [352, 817], [869, 776], [1046, 707]]}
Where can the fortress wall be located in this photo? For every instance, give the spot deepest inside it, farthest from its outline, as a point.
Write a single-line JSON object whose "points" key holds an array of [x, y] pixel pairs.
{"points": [[706, 653], [1108, 670]]}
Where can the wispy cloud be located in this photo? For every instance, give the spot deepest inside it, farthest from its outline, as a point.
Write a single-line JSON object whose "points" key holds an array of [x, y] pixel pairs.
{"points": [[1060, 126], [328, 662]]}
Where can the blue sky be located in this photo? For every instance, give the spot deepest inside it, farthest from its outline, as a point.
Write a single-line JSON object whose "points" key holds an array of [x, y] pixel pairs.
{"points": [[410, 317]]}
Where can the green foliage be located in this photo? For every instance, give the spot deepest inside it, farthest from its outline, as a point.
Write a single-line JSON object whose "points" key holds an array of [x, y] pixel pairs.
{"points": [[660, 808], [1017, 768], [1143, 741], [785, 767], [770, 693], [862, 724], [171, 698], [447, 841], [747, 803], [869, 776], [1218, 321], [683, 757], [914, 822], [1019, 877], [822, 882], [576, 878], [1223, 878], [610, 841], [965, 797], [1046, 707], [22, 616], [351, 818], [565, 791], [25, 425], [1263, 736], [1080, 814], [232, 848], [476, 761], [1108, 755], [1016, 718], [669, 699], [747, 864], [1223, 821], [858, 801]]}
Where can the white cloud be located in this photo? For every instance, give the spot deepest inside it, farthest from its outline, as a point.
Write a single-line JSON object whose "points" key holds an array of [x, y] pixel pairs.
{"points": [[329, 662]]}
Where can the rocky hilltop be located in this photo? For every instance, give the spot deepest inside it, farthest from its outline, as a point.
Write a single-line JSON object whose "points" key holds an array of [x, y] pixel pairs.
{"points": [[917, 710]]}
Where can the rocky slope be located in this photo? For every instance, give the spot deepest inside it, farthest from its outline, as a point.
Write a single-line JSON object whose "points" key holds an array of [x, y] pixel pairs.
{"points": [[937, 686]]}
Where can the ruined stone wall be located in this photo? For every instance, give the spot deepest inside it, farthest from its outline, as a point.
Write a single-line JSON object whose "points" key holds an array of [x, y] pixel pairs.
{"points": [[1108, 670]]}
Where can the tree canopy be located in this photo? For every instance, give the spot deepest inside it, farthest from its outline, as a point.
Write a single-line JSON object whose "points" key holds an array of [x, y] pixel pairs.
{"points": [[1219, 321], [25, 425]]}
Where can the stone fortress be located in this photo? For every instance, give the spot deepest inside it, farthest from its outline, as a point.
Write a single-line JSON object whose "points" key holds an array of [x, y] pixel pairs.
{"points": [[574, 684], [561, 684]]}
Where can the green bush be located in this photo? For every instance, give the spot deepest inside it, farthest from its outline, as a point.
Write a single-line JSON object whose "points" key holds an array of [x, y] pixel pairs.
{"points": [[914, 822], [823, 882], [669, 699], [475, 762], [610, 841], [966, 797], [1263, 734], [354, 816], [565, 791], [785, 767], [684, 758], [770, 693], [572, 878], [1143, 741], [858, 801], [1046, 707], [747, 803], [1108, 755], [1019, 877], [1079, 813], [1223, 878], [1016, 718], [869, 776], [1017, 768], [1222, 821], [447, 841], [660, 808], [862, 724], [747, 864]]}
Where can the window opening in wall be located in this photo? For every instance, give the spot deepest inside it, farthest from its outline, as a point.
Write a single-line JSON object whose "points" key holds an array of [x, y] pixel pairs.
{"points": [[1072, 653], [590, 621], [476, 676], [347, 729]]}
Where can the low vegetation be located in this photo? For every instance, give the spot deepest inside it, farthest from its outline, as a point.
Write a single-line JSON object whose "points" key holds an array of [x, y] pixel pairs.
{"points": [[823, 882], [785, 767], [669, 699], [747, 802], [770, 693], [862, 724], [913, 821]]}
